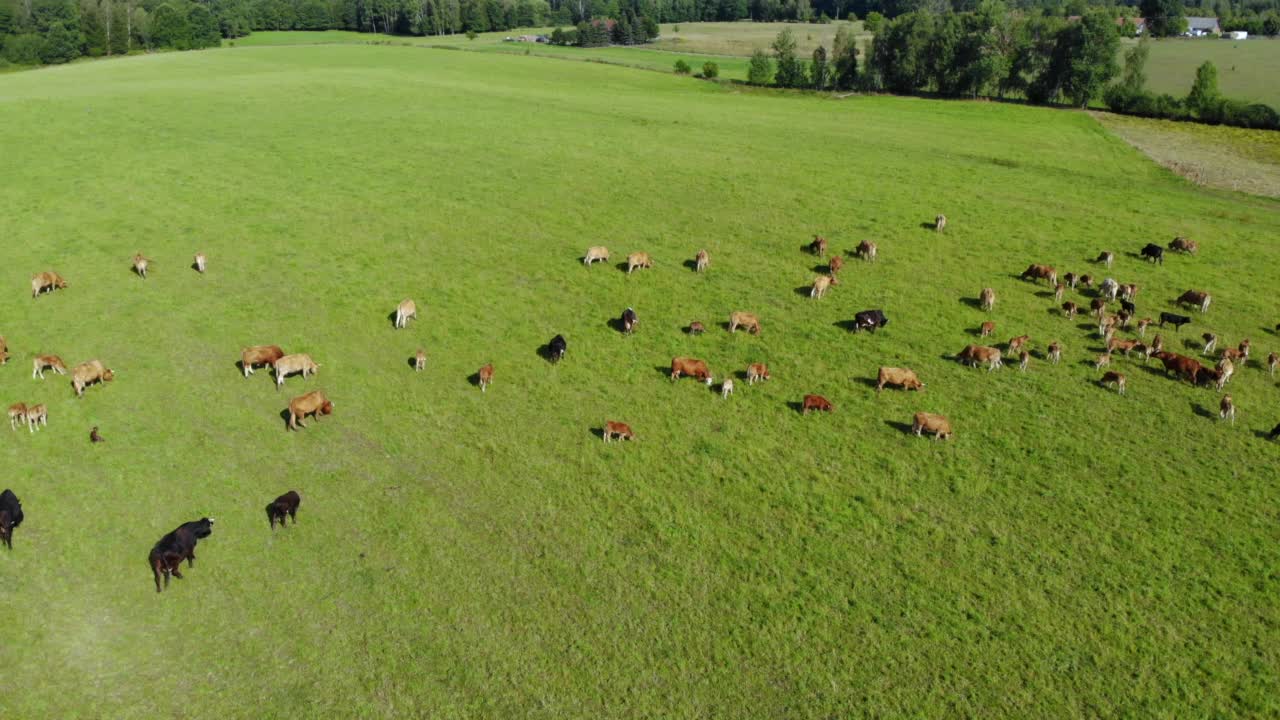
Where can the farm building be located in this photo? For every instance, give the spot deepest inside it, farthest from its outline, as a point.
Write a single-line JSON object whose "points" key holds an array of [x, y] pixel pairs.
{"points": [[1202, 26]]}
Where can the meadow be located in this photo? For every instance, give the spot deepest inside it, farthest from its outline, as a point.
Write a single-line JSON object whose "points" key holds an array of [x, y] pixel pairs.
{"points": [[1247, 69], [1071, 552]]}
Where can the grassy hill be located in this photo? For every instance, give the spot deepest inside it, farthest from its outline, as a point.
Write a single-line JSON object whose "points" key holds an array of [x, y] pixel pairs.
{"points": [[459, 554]]}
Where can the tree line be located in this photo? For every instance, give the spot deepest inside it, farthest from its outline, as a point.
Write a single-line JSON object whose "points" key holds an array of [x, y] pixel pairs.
{"points": [[36, 32]]}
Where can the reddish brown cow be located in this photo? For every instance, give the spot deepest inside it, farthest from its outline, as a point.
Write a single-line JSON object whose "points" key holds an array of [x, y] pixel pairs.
{"points": [[47, 362], [617, 429], [692, 367], [313, 403], [976, 355], [986, 329], [866, 250], [938, 425], [1181, 366], [1070, 309], [1199, 298], [835, 264], [1017, 344], [251, 357], [1125, 346], [902, 377], [818, 246], [1040, 272], [485, 376], [696, 328], [1114, 378], [757, 371], [815, 402], [1183, 245]]}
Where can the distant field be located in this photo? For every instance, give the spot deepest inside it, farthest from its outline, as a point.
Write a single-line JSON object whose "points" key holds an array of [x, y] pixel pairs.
{"points": [[743, 38], [1247, 69]]}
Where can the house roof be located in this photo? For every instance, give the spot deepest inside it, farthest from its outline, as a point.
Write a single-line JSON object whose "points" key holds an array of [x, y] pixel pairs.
{"points": [[1202, 23]]}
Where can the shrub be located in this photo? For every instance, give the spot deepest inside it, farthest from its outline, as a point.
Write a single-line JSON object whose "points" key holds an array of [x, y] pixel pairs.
{"points": [[23, 49], [760, 70], [471, 34], [682, 68], [874, 22], [710, 70], [675, 28]]}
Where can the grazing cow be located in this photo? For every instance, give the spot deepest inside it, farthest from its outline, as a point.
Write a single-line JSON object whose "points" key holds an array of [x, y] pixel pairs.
{"points": [[1109, 288], [815, 402], [420, 360], [902, 377], [140, 265], [405, 310], [1227, 409], [1196, 297], [1070, 309], [820, 285], [167, 555], [10, 516], [692, 367], [938, 425], [17, 415], [619, 430], [1142, 326], [1176, 320], [1233, 354], [1181, 366], [1129, 291], [1055, 352], [94, 437], [259, 355], [940, 223], [50, 281], [1128, 308], [1086, 281], [47, 362], [296, 363], [556, 348], [987, 299], [975, 355], [200, 262], [1070, 279], [1114, 378], [638, 260], [596, 253], [1153, 253], [696, 328], [88, 373], [869, 320], [629, 321], [1125, 316], [726, 388], [1272, 361], [313, 403], [1244, 348], [1125, 346], [1098, 306], [744, 320], [1104, 360], [1157, 343], [866, 250], [485, 375], [285, 506], [1017, 344], [1040, 272], [835, 264], [986, 329], [1058, 291], [701, 261], [757, 371], [818, 246], [37, 415], [1210, 342], [1106, 257], [1209, 376], [1024, 359], [1183, 245]]}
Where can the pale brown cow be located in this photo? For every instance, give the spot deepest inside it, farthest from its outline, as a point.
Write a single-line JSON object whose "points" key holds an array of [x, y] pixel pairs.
{"points": [[757, 371], [617, 429], [1199, 298], [701, 261], [1125, 346], [1055, 352], [821, 284], [295, 363], [596, 253], [17, 415], [638, 260], [1114, 378], [1017, 344], [1157, 344], [140, 264], [200, 262], [938, 425], [405, 310], [1183, 245], [987, 299], [1106, 257], [37, 415], [692, 367], [867, 250], [1058, 291], [1143, 324], [88, 373], [50, 281], [420, 360], [1129, 291], [1244, 348], [1103, 361], [1225, 370], [47, 362], [1040, 272], [1024, 359], [815, 402], [259, 355], [485, 376], [901, 377], [940, 223], [313, 403], [744, 320], [986, 329], [696, 328], [1227, 409]]}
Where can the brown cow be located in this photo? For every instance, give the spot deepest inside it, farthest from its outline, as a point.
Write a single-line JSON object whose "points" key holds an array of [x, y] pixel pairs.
{"points": [[1181, 366], [701, 261], [1129, 291], [866, 250], [284, 507], [1183, 245], [405, 310], [1143, 324], [1103, 360], [1024, 359], [818, 246], [88, 373], [815, 402], [987, 299], [140, 265], [638, 260], [1086, 281], [485, 376], [1244, 348], [1157, 343], [692, 367], [976, 355], [1227, 409], [313, 403], [1017, 344], [420, 360], [940, 223], [596, 253], [820, 285], [259, 355], [17, 415], [1233, 354], [1098, 307], [1040, 272], [37, 415], [1114, 378], [1106, 257], [616, 429], [1071, 280], [757, 371], [835, 264], [47, 362], [1070, 309], [1272, 361], [1125, 346], [1198, 298], [938, 425], [696, 328], [295, 363], [50, 281], [744, 320], [1209, 376], [200, 262], [1058, 291], [986, 329], [902, 377], [1055, 352]]}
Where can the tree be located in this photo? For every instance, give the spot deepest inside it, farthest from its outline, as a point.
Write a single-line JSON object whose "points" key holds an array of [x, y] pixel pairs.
{"points": [[1130, 93], [760, 69], [790, 73], [1204, 99], [874, 22], [169, 28], [60, 45], [682, 67], [1083, 61], [844, 58], [710, 70], [1165, 18], [203, 28], [818, 70]]}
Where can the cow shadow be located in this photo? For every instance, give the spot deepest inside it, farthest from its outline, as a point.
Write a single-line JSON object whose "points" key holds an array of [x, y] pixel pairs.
{"points": [[868, 382], [1088, 363], [846, 325], [930, 226], [1087, 326], [798, 407], [391, 318], [905, 428], [1189, 343], [1045, 294], [975, 303], [616, 324], [724, 326], [597, 433], [240, 367], [1157, 370], [284, 416], [195, 267], [1202, 411], [740, 375], [975, 332], [663, 370], [1262, 434], [803, 290], [544, 352], [474, 378], [621, 266], [413, 362]]}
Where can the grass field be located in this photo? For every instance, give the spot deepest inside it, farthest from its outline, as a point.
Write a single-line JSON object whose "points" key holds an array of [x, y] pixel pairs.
{"points": [[1070, 553], [1247, 69]]}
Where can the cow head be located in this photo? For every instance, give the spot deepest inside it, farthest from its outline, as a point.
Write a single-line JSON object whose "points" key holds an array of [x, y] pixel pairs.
{"points": [[108, 376], [326, 408], [709, 380]]}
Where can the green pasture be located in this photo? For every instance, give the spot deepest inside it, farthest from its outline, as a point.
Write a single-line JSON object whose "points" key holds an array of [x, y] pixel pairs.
{"points": [[1247, 69]]}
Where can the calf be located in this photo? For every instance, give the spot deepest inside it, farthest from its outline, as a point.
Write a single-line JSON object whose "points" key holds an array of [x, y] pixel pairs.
{"points": [[987, 299], [986, 329], [17, 415], [901, 377], [285, 506], [1024, 359], [1106, 258], [1153, 253], [1142, 326], [696, 328], [296, 363], [1227, 409], [701, 261], [638, 260], [745, 320], [869, 320], [1040, 272], [757, 371], [835, 264], [86, 374], [167, 555], [1058, 291], [1071, 280], [420, 360], [1208, 376], [405, 310], [1125, 346], [1128, 309], [200, 262], [1055, 352], [726, 388], [1017, 344], [628, 321], [485, 375], [820, 285], [1272, 361], [47, 362], [1114, 378], [1183, 245], [818, 246], [1098, 306], [866, 250], [938, 425], [1210, 342], [815, 402], [1129, 291], [1198, 298], [1104, 360], [1177, 321], [10, 516], [1244, 348], [1086, 281], [140, 265], [940, 223], [692, 367], [259, 355], [46, 281], [619, 430], [557, 348], [1070, 309], [313, 403], [94, 437], [596, 253], [37, 415]]}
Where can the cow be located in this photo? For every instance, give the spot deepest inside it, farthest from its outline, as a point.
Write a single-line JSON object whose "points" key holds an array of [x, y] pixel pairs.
{"points": [[1208, 376], [1106, 258], [938, 425], [1070, 309], [1125, 346], [47, 362], [94, 437], [46, 281], [140, 265], [820, 285], [940, 223], [1098, 307], [259, 355], [815, 402], [556, 348], [200, 262], [485, 376], [285, 506], [37, 415], [1129, 291], [1128, 308], [1017, 344], [296, 363], [1210, 341], [638, 260], [1024, 359], [629, 321], [1086, 281], [1244, 348], [1272, 361], [1125, 316], [987, 299], [1071, 279], [692, 367], [596, 253], [902, 377], [1157, 343], [744, 320], [1109, 289], [1142, 326], [975, 355], [818, 246], [1153, 253], [17, 415], [726, 388], [622, 431], [701, 261], [1104, 360], [866, 250], [10, 516], [1227, 409], [757, 371], [696, 328], [1040, 272], [1114, 378], [313, 403], [88, 373], [986, 329], [1183, 245], [869, 320], [1176, 320], [1233, 354], [1181, 366], [420, 360], [405, 310], [1197, 298], [834, 265], [167, 555], [1055, 352], [1058, 291]]}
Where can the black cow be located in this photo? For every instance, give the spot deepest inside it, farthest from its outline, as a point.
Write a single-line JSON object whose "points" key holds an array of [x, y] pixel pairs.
{"points": [[167, 555], [869, 320], [1176, 320], [1128, 307], [10, 516], [628, 320], [556, 348], [1154, 253], [284, 506]]}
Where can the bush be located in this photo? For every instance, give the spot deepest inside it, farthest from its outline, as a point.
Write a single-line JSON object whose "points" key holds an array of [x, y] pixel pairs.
{"points": [[60, 45], [874, 22], [23, 49], [852, 17], [682, 68], [710, 70], [675, 28], [471, 34], [760, 70]]}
